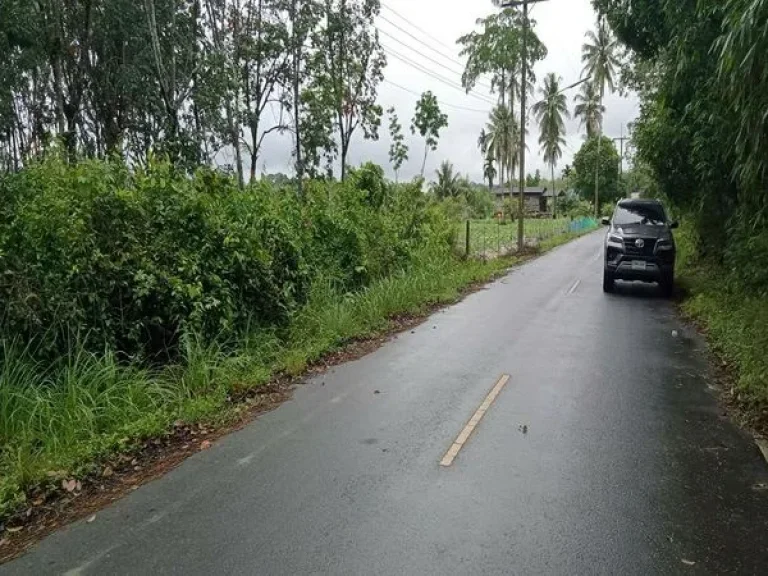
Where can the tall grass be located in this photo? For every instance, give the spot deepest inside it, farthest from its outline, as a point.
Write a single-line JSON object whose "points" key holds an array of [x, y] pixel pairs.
{"points": [[736, 319], [59, 419]]}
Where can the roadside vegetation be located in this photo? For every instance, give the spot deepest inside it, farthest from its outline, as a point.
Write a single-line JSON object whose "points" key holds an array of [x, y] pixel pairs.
{"points": [[701, 141], [132, 299]]}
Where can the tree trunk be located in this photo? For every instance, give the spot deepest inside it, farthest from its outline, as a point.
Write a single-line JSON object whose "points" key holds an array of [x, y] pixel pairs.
{"points": [[344, 151], [296, 80], [424, 163], [554, 192], [58, 96]]}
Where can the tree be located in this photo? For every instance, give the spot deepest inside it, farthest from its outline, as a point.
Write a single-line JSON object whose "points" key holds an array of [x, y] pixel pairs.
{"points": [[349, 63], [398, 150], [597, 157], [263, 64], [533, 180], [599, 58], [503, 136], [600, 63], [589, 109], [428, 121], [496, 51], [448, 183], [302, 18], [551, 112], [489, 168]]}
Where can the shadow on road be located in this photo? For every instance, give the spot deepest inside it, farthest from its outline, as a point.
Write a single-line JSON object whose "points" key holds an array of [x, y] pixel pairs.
{"points": [[638, 290]]}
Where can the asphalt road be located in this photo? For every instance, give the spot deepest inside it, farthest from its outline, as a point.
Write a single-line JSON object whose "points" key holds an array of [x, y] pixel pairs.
{"points": [[606, 453]]}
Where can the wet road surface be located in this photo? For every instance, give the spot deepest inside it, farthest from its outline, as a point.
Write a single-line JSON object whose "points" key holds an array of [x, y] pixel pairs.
{"points": [[604, 453]]}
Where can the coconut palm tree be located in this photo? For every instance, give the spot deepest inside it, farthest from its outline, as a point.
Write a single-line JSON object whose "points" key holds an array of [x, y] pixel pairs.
{"points": [[489, 170], [600, 63], [589, 109], [599, 58], [503, 136], [551, 112], [448, 182]]}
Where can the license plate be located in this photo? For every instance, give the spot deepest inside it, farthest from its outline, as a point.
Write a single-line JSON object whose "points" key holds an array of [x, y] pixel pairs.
{"points": [[638, 265]]}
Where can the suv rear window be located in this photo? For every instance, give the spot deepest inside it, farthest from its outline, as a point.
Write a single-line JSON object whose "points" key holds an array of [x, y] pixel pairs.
{"points": [[639, 214]]}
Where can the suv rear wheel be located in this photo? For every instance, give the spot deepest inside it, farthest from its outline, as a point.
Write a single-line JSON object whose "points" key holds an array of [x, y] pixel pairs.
{"points": [[608, 282], [667, 284]]}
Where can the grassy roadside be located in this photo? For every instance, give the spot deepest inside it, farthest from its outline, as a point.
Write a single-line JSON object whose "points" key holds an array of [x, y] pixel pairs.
{"points": [[59, 422], [735, 323]]}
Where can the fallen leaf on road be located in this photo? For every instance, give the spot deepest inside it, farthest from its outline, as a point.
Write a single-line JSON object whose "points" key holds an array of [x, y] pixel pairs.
{"points": [[91, 519], [3, 542], [377, 391], [69, 485], [78, 486], [205, 444], [107, 472], [14, 529], [688, 562]]}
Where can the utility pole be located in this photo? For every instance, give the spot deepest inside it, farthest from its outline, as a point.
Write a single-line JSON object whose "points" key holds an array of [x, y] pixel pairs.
{"points": [[597, 167], [523, 94], [523, 91], [621, 141]]}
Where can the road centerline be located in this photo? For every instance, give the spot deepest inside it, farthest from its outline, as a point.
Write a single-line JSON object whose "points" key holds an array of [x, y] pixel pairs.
{"points": [[466, 432]]}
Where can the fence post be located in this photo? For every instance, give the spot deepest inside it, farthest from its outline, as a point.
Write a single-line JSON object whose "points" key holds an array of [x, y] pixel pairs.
{"points": [[466, 247], [498, 237]]}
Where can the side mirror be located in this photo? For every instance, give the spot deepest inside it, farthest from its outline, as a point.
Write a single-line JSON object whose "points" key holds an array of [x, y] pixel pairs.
{"points": [[606, 221], [674, 224]]}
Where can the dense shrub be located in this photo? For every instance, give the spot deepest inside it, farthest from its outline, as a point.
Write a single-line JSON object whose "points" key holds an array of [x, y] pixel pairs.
{"points": [[130, 259]]}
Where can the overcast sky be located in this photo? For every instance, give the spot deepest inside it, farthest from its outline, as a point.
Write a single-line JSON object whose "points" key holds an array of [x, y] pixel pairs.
{"points": [[561, 26]]}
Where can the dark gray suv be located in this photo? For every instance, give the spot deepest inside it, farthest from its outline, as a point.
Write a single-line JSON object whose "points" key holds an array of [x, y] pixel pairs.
{"points": [[639, 245]]}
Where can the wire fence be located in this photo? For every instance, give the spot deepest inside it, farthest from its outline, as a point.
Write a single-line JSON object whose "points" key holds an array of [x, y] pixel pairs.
{"points": [[495, 237]]}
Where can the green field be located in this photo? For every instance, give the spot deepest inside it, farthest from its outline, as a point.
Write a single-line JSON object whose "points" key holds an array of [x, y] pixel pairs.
{"points": [[492, 236]]}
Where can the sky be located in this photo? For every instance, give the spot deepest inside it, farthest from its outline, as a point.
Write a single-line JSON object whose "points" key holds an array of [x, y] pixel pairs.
{"points": [[420, 35]]}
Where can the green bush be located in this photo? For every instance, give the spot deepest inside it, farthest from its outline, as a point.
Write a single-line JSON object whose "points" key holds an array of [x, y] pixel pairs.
{"points": [[130, 260]]}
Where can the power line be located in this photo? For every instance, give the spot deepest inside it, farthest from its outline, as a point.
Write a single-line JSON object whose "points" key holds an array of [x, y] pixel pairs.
{"points": [[440, 102], [434, 75], [404, 19], [420, 41], [451, 70]]}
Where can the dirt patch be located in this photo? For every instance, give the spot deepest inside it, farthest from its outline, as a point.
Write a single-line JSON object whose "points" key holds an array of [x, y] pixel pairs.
{"points": [[68, 499]]}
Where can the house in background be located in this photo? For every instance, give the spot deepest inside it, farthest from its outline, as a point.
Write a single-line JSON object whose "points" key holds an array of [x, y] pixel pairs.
{"points": [[538, 199]]}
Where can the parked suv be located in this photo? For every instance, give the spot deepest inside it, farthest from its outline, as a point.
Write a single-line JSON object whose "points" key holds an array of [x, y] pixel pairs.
{"points": [[639, 245]]}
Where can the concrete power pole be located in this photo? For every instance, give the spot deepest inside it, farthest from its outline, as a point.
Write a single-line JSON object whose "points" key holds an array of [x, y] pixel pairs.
{"points": [[621, 141], [523, 95], [523, 90]]}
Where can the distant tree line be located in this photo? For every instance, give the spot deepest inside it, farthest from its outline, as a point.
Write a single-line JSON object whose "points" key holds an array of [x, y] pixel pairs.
{"points": [[188, 79]]}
